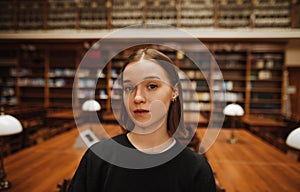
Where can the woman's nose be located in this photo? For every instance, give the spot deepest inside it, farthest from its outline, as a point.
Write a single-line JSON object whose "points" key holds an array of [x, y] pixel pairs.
{"points": [[139, 96]]}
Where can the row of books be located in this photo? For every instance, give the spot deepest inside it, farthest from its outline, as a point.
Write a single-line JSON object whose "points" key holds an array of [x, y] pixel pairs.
{"points": [[184, 22], [223, 4], [82, 94], [237, 13]]}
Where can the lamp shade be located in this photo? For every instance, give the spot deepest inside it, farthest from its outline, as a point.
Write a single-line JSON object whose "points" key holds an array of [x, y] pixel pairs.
{"points": [[233, 110], [293, 139], [91, 105], [9, 125]]}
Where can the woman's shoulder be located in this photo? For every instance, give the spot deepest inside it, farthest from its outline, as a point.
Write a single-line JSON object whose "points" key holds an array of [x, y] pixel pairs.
{"points": [[106, 145], [121, 139], [193, 158], [196, 163], [198, 166]]}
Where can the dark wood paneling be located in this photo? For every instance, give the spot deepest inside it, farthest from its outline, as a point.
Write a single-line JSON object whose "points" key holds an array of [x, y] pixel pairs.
{"points": [[294, 80]]}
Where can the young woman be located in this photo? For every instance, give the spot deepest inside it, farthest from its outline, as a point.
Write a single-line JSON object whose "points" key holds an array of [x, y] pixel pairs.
{"points": [[148, 157]]}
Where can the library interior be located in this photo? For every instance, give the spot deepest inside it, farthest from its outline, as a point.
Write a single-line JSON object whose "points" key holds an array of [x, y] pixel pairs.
{"points": [[238, 63]]}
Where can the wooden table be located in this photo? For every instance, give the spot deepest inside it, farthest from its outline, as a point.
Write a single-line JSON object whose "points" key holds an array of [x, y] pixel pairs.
{"points": [[40, 168], [254, 120], [261, 125], [249, 165], [252, 164], [62, 115]]}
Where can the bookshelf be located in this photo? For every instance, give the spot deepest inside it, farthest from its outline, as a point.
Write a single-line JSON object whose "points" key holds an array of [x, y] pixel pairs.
{"points": [[197, 97], [61, 74], [233, 65], [233, 13], [32, 78], [93, 82], [266, 82], [268, 13], [252, 73], [44, 75], [50, 15], [62, 15], [92, 15], [125, 13], [7, 19], [162, 12], [30, 15], [196, 13], [8, 77]]}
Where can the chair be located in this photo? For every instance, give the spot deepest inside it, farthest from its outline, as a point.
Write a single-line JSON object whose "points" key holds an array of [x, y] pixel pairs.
{"points": [[219, 187], [63, 187]]}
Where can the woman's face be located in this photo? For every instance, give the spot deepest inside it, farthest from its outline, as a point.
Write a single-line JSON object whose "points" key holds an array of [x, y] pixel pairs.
{"points": [[147, 94]]}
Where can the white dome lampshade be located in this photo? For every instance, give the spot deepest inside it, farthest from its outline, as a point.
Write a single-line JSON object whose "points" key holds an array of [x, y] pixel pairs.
{"points": [[9, 125], [293, 139], [91, 105], [233, 110]]}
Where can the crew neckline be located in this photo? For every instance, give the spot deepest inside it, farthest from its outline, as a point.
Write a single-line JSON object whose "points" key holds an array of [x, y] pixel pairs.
{"points": [[153, 153]]}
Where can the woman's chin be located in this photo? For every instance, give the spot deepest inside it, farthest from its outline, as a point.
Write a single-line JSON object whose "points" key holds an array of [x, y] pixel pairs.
{"points": [[146, 127]]}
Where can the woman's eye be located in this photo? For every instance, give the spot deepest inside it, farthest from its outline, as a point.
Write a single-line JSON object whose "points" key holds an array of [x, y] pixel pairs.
{"points": [[128, 88], [152, 86]]}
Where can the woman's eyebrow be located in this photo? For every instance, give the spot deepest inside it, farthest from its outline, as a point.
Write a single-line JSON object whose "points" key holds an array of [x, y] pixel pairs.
{"points": [[146, 78], [152, 77]]}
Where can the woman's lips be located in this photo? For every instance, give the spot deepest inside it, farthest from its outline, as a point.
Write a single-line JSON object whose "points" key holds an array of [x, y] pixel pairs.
{"points": [[140, 111]]}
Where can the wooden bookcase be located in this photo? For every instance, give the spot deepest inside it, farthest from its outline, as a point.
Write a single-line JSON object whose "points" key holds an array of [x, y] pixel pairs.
{"points": [[92, 15], [259, 90], [233, 13], [196, 13], [93, 80], [125, 13], [61, 74], [272, 13], [30, 15], [44, 75], [163, 12], [32, 77], [266, 84], [196, 82], [110, 14], [7, 19], [8, 77], [62, 15], [233, 64]]}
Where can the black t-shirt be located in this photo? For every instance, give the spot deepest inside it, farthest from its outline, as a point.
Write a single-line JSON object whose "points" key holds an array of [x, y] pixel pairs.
{"points": [[185, 172]]}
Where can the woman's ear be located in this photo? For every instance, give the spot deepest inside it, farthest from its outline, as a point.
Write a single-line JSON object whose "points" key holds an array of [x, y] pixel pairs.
{"points": [[175, 92]]}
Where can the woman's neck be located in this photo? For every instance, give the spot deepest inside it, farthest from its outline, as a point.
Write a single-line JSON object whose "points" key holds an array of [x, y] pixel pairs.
{"points": [[156, 141]]}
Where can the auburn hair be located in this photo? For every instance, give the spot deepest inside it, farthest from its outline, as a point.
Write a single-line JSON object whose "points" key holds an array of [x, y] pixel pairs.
{"points": [[175, 115]]}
